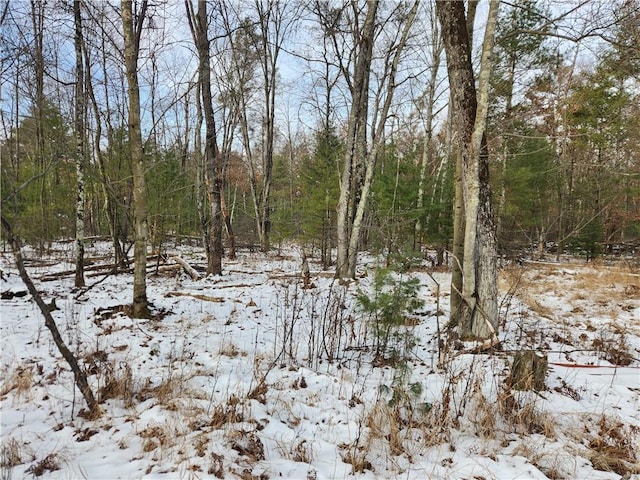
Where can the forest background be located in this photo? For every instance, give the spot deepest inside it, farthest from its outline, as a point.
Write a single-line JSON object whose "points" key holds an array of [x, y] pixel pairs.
{"points": [[562, 129]]}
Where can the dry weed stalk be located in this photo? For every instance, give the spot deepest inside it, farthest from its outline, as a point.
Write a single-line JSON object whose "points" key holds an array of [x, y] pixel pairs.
{"points": [[522, 415], [247, 444], [226, 414], [553, 464], [298, 450], [21, 381], [10, 456], [117, 382], [614, 447], [356, 456]]}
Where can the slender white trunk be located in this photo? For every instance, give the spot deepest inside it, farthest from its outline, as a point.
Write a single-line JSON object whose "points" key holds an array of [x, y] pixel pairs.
{"points": [[80, 143]]}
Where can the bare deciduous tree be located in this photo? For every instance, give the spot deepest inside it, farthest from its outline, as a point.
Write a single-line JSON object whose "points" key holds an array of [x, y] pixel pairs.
{"points": [[132, 28], [80, 143], [361, 152], [477, 314], [199, 25]]}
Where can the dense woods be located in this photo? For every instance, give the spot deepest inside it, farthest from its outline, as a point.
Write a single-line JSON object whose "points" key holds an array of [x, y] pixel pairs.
{"points": [[333, 124]]}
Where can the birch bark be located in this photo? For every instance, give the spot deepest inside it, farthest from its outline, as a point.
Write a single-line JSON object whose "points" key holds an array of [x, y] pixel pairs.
{"points": [[79, 121]]}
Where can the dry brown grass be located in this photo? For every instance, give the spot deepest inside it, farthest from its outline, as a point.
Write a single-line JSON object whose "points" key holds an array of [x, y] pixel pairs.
{"points": [[117, 383], [156, 436], [356, 456], [613, 448], [552, 464], [10, 456], [524, 416], [599, 283], [216, 467], [231, 350], [247, 444], [21, 381], [385, 422], [47, 464], [226, 414], [595, 295]]}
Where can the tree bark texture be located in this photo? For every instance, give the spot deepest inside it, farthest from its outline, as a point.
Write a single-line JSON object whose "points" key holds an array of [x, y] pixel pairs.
{"points": [[528, 371], [355, 144], [132, 30], [199, 24], [477, 313], [80, 143]]}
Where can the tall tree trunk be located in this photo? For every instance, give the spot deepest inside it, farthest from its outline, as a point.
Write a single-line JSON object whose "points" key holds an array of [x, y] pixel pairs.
{"points": [[80, 143], [132, 31], [199, 24], [427, 149], [457, 250], [110, 198], [200, 167], [477, 316], [360, 163], [37, 22], [356, 143]]}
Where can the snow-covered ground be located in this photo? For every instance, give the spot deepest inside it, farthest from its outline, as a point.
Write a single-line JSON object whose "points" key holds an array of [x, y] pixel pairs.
{"points": [[249, 375]]}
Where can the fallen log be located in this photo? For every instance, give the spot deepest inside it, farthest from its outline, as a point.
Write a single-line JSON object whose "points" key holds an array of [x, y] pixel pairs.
{"points": [[197, 296], [50, 277], [186, 267]]}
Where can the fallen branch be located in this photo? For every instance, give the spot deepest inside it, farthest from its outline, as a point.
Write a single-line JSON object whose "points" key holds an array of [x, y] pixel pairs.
{"points": [[49, 277], [79, 375], [186, 267], [481, 347], [199, 296]]}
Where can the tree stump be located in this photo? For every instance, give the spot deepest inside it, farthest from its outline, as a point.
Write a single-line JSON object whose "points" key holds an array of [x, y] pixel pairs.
{"points": [[528, 371]]}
